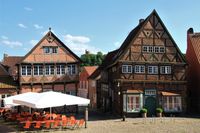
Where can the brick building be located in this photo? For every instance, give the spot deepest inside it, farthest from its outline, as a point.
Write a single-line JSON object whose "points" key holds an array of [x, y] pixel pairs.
{"points": [[193, 74]]}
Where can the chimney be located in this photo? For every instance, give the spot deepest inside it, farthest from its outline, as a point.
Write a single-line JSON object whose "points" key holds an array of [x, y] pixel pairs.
{"points": [[5, 55], [190, 31], [141, 20]]}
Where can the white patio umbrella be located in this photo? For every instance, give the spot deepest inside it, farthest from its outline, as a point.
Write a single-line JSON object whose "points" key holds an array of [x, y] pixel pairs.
{"points": [[50, 99], [8, 101]]}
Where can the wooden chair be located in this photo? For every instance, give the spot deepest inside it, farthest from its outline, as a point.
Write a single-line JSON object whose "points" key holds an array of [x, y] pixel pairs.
{"points": [[38, 125], [56, 124], [47, 124], [27, 125]]}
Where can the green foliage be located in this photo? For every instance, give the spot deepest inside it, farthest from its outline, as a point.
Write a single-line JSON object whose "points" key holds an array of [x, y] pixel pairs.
{"points": [[92, 59], [159, 110], [143, 110]]}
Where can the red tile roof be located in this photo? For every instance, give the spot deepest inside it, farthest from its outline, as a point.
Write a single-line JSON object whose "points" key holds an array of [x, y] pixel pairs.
{"points": [[11, 61], [90, 69], [195, 41]]}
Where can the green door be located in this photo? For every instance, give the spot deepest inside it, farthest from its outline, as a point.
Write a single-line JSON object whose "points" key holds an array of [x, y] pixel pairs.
{"points": [[150, 104]]}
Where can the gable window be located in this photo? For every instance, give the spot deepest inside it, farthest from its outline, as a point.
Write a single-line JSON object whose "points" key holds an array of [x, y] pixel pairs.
{"points": [[38, 70], [72, 69], [153, 69], [54, 50], [52, 69], [26, 70], [126, 68], [139, 69], [46, 50], [50, 50], [147, 49], [165, 69]]}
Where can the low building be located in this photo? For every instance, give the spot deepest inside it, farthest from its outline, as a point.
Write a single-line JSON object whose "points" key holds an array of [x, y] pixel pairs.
{"points": [[8, 86], [87, 87], [193, 74]]}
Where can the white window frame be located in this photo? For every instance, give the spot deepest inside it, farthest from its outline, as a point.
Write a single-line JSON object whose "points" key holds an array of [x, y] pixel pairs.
{"points": [[127, 68], [71, 69], [37, 70], [165, 69], [139, 69], [47, 50], [152, 69], [172, 103], [162, 50], [129, 103], [47, 69], [156, 49], [54, 50], [26, 70]]}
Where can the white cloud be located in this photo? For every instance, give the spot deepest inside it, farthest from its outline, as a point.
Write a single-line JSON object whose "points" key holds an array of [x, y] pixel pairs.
{"points": [[11, 44], [33, 42], [38, 26], [22, 25], [4, 37], [76, 39], [28, 9], [78, 44]]}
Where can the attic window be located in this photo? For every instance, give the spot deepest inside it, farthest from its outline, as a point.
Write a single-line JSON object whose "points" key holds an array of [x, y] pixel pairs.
{"points": [[50, 50]]}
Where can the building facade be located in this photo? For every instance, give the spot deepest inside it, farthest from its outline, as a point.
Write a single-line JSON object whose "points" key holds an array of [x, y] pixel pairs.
{"points": [[148, 70], [49, 65], [193, 74], [87, 87]]}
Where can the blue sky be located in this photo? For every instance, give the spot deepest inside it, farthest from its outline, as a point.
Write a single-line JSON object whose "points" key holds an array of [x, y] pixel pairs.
{"points": [[95, 25]]}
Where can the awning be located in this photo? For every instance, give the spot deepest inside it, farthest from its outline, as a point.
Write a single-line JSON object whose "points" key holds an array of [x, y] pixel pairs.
{"points": [[164, 93], [134, 91]]}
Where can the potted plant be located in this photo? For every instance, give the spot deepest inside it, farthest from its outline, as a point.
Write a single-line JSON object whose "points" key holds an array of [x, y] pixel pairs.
{"points": [[159, 112], [143, 111]]}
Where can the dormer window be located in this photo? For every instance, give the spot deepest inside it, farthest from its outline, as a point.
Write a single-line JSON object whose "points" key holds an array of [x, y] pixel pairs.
{"points": [[50, 50]]}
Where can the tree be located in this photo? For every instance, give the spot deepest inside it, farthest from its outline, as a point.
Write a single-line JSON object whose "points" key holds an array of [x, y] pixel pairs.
{"points": [[92, 59]]}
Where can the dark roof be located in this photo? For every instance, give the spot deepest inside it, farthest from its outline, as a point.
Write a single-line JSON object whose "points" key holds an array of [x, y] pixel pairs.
{"points": [[195, 41], [6, 81], [54, 36], [11, 61]]}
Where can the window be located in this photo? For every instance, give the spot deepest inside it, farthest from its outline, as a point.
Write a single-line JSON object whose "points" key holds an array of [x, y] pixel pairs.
{"points": [[172, 103], [23, 69], [60, 69], [47, 70], [50, 49], [126, 68], [52, 69], [26, 70], [132, 103], [165, 69], [153, 69], [153, 49], [38, 70], [139, 69], [54, 50], [156, 49], [71, 69], [145, 48], [46, 50], [162, 49]]}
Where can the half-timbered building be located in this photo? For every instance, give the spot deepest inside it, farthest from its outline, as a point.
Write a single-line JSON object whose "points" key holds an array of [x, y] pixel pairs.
{"points": [[49, 65], [148, 70]]}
